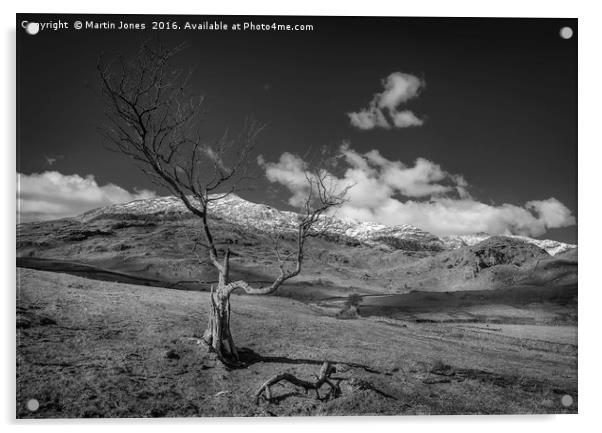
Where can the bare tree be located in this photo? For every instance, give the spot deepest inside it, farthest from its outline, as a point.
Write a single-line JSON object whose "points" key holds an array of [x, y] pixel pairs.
{"points": [[154, 120]]}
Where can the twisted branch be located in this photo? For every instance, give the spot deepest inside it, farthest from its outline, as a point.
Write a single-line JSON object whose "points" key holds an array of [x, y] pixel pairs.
{"points": [[323, 379]]}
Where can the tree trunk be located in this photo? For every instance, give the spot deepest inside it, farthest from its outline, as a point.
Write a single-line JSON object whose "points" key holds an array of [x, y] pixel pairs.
{"points": [[218, 335]]}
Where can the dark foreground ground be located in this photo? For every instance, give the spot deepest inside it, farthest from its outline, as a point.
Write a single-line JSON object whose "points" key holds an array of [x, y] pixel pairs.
{"points": [[89, 348]]}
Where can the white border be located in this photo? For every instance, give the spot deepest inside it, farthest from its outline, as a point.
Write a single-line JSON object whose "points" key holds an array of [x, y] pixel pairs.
{"points": [[590, 212]]}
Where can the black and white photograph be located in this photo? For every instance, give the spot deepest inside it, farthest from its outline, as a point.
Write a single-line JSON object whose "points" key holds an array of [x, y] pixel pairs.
{"points": [[295, 216]]}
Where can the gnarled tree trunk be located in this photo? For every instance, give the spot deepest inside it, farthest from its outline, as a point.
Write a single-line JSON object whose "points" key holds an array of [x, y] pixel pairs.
{"points": [[218, 335]]}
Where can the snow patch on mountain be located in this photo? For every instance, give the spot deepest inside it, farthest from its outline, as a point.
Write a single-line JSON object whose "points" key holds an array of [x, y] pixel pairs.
{"points": [[255, 216], [550, 246]]}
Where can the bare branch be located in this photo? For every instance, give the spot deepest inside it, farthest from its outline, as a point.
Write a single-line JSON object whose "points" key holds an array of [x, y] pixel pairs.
{"points": [[152, 118], [323, 195]]}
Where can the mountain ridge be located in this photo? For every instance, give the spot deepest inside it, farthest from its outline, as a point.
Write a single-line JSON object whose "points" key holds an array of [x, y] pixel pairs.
{"points": [[266, 218], [160, 240]]}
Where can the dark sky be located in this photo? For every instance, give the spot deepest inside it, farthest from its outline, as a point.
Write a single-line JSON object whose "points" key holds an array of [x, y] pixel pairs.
{"points": [[500, 101]]}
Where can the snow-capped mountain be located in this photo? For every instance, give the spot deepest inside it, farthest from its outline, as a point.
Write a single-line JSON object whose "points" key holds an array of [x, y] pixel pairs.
{"points": [[550, 246], [261, 217]]}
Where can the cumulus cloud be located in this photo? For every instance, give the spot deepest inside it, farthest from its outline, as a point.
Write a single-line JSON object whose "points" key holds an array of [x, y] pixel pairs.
{"points": [[51, 195], [422, 194], [398, 89], [552, 212], [290, 172]]}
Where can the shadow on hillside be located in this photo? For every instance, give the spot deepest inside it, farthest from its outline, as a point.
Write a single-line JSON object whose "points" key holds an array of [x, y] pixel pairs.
{"points": [[249, 357]]}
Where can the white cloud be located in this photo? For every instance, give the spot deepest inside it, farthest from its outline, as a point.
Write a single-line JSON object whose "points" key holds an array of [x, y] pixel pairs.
{"points": [[405, 119], [552, 212], [290, 172], [398, 89], [51, 195], [423, 195], [369, 118], [424, 179]]}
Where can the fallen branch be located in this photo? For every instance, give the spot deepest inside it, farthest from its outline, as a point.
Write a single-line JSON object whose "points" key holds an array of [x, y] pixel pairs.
{"points": [[323, 379]]}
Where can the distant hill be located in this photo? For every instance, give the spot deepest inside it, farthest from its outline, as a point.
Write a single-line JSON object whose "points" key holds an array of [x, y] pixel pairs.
{"points": [[266, 218], [552, 247], [495, 262], [157, 239]]}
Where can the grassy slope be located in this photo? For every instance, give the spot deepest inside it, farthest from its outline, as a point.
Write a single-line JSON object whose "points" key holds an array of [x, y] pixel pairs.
{"points": [[91, 348], [162, 249]]}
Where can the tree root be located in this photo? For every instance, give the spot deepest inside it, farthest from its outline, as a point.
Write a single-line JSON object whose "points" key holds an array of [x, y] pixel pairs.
{"points": [[323, 379]]}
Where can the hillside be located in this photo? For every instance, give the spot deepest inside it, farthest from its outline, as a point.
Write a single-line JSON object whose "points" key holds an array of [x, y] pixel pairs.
{"points": [[115, 350], [158, 239], [550, 246], [264, 218], [495, 262]]}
